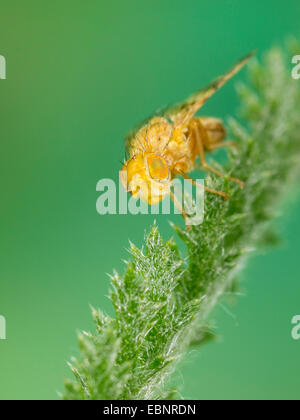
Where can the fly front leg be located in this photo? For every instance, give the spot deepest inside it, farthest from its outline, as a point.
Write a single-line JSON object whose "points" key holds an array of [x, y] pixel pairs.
{"points": [[202, 142], [181, 209]]}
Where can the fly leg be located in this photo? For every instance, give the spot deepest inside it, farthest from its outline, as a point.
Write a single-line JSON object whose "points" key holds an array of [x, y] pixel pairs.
{"points": [[222, 144], [199, 132], [196, 184]]}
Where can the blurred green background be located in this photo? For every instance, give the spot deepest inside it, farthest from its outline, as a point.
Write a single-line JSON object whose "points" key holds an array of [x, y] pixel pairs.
{"points": [[79, 76]]}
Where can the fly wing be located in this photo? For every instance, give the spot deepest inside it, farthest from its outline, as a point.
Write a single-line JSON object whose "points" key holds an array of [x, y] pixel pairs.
{"points": [[184, 111]]}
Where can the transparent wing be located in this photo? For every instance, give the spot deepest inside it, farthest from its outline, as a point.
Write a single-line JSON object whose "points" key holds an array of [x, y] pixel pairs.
{"points": [[184, 111], [181, 113]]}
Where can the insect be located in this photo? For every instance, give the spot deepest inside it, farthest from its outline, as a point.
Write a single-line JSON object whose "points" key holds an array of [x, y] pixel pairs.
{"points": [[167, 145]]}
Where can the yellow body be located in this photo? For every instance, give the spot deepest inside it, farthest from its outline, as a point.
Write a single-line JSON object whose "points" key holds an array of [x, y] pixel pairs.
{"points": [[175, 148], [168, 145]]}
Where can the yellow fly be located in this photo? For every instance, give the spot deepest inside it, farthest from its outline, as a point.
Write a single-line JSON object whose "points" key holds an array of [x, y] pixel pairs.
{"points": [[168, 144]]}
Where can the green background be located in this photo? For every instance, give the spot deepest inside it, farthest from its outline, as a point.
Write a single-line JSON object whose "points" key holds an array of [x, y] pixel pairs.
{"points": [[79, 76]]}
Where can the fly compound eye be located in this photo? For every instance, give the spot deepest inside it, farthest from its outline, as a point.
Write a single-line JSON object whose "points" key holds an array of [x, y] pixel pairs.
{"points": [[158, 168]]}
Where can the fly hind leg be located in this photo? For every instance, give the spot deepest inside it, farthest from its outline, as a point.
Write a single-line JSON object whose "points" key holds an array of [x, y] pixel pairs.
{"points": [[202, 142]]}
